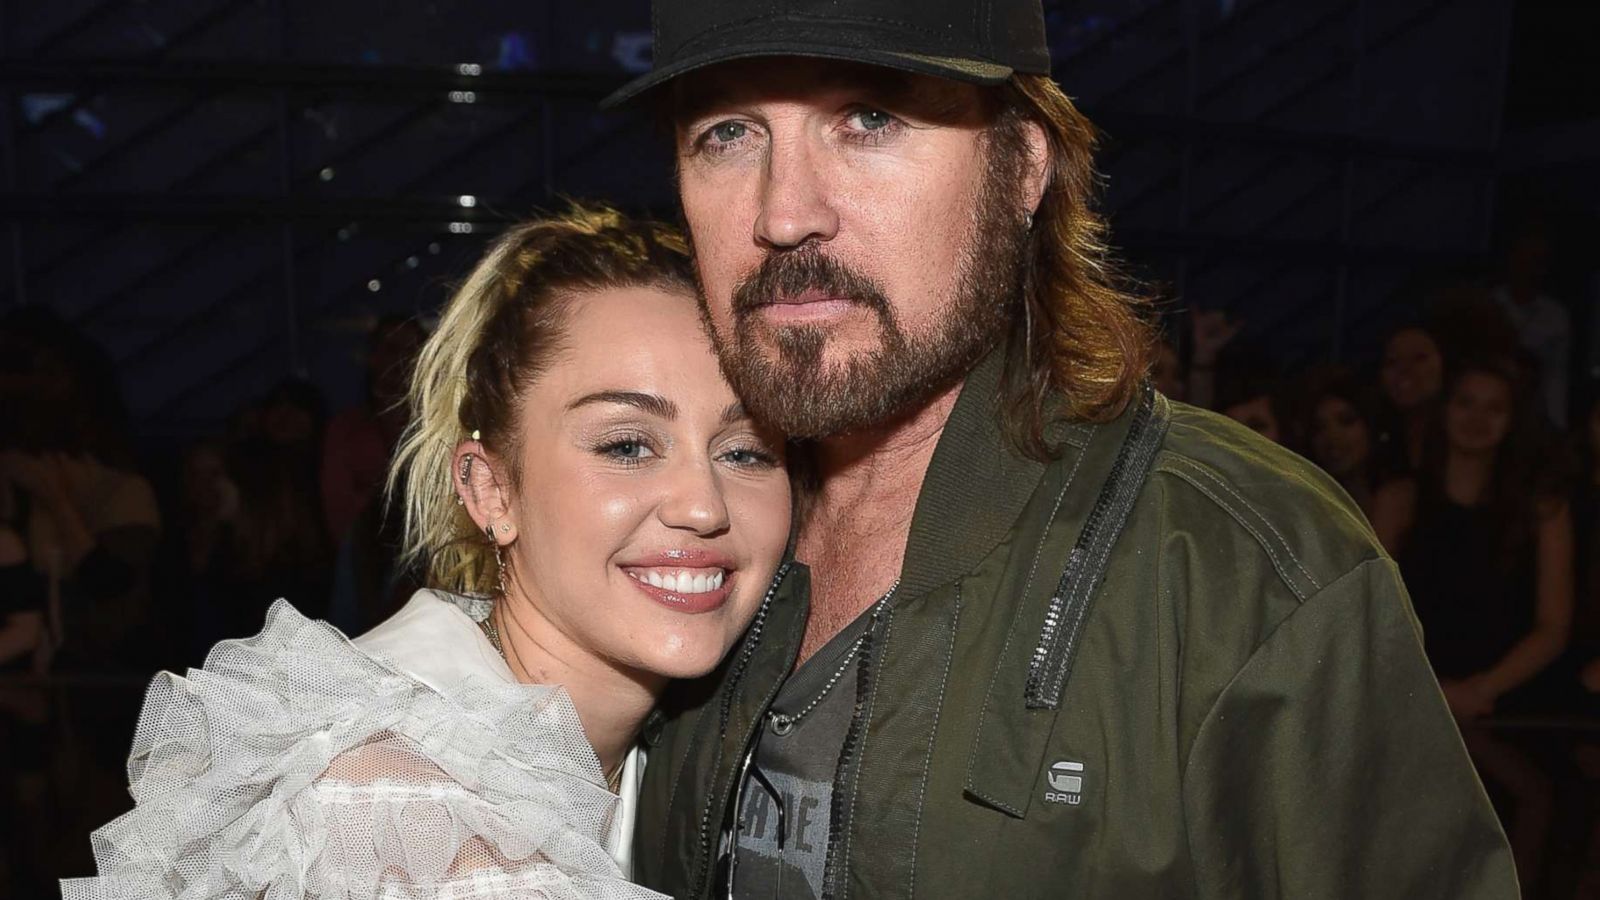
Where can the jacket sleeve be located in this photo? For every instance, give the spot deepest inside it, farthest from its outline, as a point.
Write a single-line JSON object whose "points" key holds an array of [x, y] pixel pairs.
{"points": [[1330, 766]]}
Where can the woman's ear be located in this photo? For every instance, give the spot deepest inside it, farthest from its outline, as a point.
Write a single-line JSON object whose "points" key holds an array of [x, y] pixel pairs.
{"points": [[481, 483]]}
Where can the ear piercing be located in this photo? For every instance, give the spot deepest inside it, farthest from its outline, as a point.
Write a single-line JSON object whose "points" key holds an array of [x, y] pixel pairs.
{"points": [[466, 468]]}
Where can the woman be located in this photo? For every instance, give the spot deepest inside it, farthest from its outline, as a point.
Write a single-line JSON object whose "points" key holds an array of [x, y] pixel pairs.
{"points": [[1412, 375], [598, 515], [1342, 440], [1484, 540], [1485, 543]]}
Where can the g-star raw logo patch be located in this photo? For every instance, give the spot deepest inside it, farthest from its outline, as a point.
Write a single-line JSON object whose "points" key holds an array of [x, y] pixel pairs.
{"points": [[1066, 783]]}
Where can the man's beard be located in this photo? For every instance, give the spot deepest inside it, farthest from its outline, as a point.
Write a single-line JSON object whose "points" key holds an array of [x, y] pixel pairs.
{"points": [[805, 397]]}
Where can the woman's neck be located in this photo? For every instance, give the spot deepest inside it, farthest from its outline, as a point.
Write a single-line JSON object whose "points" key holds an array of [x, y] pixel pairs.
{"points": [[612, 701], [1467, 476]]}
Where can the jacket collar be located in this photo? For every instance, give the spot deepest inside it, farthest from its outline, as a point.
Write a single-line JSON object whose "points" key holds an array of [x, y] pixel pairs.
{"points": [[976, 486]]}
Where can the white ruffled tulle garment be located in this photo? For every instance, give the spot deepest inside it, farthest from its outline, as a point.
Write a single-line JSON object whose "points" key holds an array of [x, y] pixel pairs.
{"points": [[297, 765]]}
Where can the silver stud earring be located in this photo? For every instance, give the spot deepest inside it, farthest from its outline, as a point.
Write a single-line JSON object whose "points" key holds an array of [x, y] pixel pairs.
{"points": [[1027, 221]]}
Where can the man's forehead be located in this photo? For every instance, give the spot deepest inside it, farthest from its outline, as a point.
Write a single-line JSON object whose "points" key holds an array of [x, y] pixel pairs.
{"points": [[787, 78]]}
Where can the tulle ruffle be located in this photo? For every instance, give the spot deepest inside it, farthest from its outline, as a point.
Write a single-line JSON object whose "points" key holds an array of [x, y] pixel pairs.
{"points": [[295, 766]]}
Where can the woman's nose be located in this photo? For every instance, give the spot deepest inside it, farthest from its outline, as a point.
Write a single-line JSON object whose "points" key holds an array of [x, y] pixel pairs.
{"points": [[695, 502]]}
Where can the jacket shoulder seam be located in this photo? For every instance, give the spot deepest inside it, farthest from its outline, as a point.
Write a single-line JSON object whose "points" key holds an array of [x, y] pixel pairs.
{"points": [[1205, 721], [1207, 482], [1208, 720]]}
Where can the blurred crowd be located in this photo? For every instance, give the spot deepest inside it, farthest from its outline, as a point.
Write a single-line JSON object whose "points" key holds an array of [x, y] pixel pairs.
{"points": [[116, 563], [1455, 443], [1478, 466], [1462, 440]]}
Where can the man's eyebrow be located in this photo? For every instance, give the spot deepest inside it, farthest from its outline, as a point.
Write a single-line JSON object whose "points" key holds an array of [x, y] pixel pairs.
{"points": [[650, 403]]}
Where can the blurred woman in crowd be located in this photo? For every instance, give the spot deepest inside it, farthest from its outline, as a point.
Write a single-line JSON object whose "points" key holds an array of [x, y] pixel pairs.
{"points": [[1412, 374], [1486, 542], [91, 521], [1342, 437]]}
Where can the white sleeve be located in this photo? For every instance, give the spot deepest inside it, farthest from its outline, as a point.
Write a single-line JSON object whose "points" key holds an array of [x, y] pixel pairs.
{"points": [[294, 766]]}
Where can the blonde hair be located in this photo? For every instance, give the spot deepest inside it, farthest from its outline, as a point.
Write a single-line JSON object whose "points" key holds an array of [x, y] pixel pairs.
{"points": [[496, 335]]}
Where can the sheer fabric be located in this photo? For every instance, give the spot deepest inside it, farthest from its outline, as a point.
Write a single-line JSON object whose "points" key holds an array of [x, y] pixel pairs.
{"points": [[296, 766]]}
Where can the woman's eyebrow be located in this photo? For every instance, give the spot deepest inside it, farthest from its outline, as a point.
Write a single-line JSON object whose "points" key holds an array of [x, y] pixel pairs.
{"points": [[651, 403], [734, 412]]}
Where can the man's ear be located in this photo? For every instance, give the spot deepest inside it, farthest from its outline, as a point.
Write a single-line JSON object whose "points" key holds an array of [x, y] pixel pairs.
{"points": [[482, 484], [1039, 166]]}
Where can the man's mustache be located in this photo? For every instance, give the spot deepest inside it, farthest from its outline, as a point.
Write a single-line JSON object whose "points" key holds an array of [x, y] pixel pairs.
{"points": [[792, 272]]}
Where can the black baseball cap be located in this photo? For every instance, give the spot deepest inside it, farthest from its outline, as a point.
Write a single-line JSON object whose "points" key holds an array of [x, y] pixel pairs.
{"points": [[976, 41]]}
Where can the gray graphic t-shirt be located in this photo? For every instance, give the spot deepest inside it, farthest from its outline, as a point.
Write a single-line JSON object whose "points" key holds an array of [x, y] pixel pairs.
{"points": [[787, 800]]}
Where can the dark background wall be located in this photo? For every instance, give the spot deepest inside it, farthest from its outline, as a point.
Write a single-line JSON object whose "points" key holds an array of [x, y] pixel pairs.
{"points": [[228, 191]]}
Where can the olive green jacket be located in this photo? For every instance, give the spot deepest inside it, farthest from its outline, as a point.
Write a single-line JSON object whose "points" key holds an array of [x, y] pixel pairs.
{"points": [[1174, 662]]}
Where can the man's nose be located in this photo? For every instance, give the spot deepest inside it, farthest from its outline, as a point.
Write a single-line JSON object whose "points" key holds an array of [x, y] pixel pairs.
{"points": [[695, 502], [796, 203]]}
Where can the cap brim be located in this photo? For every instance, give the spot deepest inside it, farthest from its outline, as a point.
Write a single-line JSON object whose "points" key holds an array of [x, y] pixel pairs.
{"points": [[968, 70]]}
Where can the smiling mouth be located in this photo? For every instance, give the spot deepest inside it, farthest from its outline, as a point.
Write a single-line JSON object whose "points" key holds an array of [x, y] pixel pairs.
{"points": [[681, 580]]}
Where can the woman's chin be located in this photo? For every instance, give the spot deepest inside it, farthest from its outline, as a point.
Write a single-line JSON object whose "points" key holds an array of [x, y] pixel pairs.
{"points": [[678, 656]]}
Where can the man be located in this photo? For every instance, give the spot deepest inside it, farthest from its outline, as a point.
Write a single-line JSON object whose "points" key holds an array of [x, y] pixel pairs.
{"points": [[1064, 637]]}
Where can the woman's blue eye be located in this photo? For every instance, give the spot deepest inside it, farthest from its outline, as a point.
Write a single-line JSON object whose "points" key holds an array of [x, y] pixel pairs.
{"points": [[627, 450], [727, 132]]}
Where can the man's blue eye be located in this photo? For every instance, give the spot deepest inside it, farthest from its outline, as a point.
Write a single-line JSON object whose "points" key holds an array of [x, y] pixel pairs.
{"points": [[874, 119], [728, 131]]}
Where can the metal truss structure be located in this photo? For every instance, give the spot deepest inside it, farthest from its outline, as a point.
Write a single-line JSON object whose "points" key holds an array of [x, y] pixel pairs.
{"points": [[228, 191]]}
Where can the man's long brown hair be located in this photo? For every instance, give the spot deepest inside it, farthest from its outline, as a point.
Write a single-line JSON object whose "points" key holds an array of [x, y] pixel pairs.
{"points": [[1083, 339]]}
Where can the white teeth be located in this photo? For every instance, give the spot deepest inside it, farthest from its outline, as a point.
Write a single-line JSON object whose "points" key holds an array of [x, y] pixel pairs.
{"points": [[682, 582]]}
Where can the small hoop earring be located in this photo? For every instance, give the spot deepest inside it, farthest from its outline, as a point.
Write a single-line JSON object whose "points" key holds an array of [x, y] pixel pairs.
{"points": [[488, 531]]}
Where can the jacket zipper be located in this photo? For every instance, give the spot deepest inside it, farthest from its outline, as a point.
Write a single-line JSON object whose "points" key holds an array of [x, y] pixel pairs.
{"points": [[1051, 662], [734, 678], [845, 774]]}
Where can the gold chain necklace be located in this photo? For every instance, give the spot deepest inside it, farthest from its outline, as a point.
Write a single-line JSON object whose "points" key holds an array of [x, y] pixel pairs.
{"points": [[490, 631]]}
